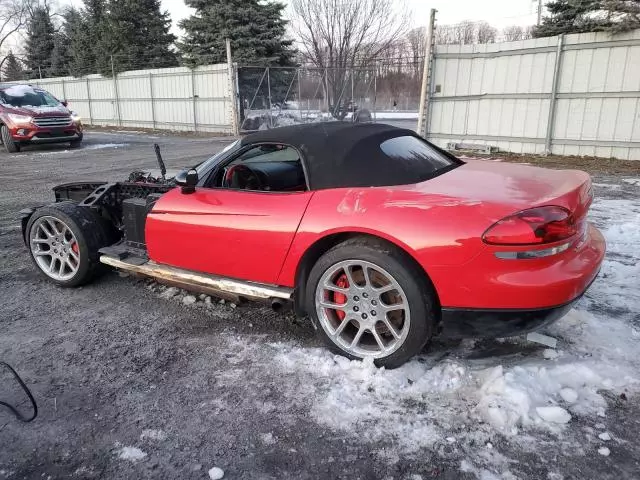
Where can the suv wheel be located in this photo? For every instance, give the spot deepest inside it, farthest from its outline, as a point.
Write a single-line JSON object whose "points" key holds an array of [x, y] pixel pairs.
{"points": [[370, 301], [9, 144], [76, 142]]}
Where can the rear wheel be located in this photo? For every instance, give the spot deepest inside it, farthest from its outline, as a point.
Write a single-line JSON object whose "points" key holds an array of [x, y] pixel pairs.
{"points": [[10, 145], [370, 301], [64, 240]]}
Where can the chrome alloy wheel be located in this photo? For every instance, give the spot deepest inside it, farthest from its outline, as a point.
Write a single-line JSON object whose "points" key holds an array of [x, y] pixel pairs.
{"points": [[362, 309], [54, 248]]}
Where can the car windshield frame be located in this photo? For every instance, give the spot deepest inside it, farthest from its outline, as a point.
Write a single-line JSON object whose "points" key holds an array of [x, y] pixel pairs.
{"points": [[206, 165]]}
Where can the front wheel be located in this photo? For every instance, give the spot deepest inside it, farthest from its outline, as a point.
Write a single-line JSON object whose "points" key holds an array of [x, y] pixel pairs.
{"points": [[64, 240], [76, 142], [370, 301], [10, 145]]}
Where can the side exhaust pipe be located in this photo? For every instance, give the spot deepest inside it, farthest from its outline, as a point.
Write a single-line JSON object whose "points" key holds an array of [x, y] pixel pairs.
{"points": [[280, 305]]}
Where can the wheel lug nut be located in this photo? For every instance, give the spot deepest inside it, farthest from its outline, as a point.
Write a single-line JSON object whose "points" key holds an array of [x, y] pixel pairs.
{"points": [[355, 309], [373, 313], [374, 302], [364, 316], [365, 295], [356, 298]]}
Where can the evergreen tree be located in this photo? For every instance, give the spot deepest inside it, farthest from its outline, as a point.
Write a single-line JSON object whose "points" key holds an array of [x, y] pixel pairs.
{"points": [[136, 34], [572, 16], [40, 41], [60, 56], [77, 28], [12, 69], [256, 30], [624, 13], [257, 33]]}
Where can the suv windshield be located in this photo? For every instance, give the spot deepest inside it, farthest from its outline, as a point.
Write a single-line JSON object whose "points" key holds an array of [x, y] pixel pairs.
{"points": [[24, 95]]}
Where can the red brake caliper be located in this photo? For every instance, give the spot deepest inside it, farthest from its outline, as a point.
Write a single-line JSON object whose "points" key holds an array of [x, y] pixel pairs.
{"points": [[75, 248], [341, 298]]}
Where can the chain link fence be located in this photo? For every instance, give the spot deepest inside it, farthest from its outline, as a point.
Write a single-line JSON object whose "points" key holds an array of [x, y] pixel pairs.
{"points": [[270, 97]]}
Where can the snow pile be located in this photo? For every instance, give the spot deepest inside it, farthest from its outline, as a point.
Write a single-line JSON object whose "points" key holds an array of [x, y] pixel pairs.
{"points": [[19, 90], [471, 399], [133, 454]]}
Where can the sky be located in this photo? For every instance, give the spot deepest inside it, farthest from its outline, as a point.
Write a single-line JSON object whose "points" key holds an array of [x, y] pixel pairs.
{"points": [[499, 13]]}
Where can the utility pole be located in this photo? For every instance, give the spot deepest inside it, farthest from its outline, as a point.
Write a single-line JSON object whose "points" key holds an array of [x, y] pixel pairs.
{"points": [[425, 93], [539, 12], [233, 94]]}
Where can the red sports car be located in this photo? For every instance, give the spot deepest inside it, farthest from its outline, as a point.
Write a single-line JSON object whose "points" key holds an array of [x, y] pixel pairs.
{"points": [[380, 237]]}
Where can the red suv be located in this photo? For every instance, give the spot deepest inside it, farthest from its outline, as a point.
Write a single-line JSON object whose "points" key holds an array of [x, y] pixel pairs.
{"points": [[29, 114]]}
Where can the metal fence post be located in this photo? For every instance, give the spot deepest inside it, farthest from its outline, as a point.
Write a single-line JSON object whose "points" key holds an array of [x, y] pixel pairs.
{"points": [[153, 106], [425, 92], [233, 94], [299, 94], [115, 91], [64, 91], [269, 95], [89, 101], [193, 94], [551, 120]]}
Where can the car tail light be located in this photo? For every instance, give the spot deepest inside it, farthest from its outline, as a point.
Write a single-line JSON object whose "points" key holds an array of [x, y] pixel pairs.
{"points": [[535, 226]]}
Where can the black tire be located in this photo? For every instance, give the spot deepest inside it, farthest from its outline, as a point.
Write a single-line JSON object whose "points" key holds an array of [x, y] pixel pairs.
{"points": [[418, 290], [9, 144], [92, 233], [76, 143]]}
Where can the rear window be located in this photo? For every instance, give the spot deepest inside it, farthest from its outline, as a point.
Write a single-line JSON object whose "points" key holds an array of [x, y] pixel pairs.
{"points": [[416, 155]]}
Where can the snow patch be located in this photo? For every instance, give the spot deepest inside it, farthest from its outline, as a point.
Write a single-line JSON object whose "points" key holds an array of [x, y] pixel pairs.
{"points": [[605, 436], [150, 434], [216, 473], [632, 181], [104, 145], [133, 454], [553, 414], [19, 90], [604, 451]]}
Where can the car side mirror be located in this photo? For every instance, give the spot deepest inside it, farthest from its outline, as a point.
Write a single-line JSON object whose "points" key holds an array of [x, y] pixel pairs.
{"points": [[187, 180]]}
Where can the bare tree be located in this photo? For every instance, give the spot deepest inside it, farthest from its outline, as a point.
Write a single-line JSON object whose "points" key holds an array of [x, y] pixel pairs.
{"points": [[338, 35], [514, 33], [14, 15], [418, 48], [485, 33]]}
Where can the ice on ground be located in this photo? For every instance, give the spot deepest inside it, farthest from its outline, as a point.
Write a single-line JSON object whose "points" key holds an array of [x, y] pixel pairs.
{"points": [[19, 90], [553, 414], [216, 473], [151, 434], [632, 181], [100, 146], [267, 439], [604, 436], [133, 454]]}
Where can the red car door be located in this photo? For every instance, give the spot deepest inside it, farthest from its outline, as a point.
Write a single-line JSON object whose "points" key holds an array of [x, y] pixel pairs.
{"points": [[233, 233]]}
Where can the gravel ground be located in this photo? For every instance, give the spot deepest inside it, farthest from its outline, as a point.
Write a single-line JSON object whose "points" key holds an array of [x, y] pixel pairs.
{"points": [[131, 384]]}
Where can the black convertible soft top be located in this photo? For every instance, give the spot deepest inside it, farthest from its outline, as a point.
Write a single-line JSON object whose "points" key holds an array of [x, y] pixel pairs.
{"points": [[344, 154]]}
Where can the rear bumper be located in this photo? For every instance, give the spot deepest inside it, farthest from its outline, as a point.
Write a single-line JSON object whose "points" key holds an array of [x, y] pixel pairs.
{"points": [[525, 295], [498, 323]]}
